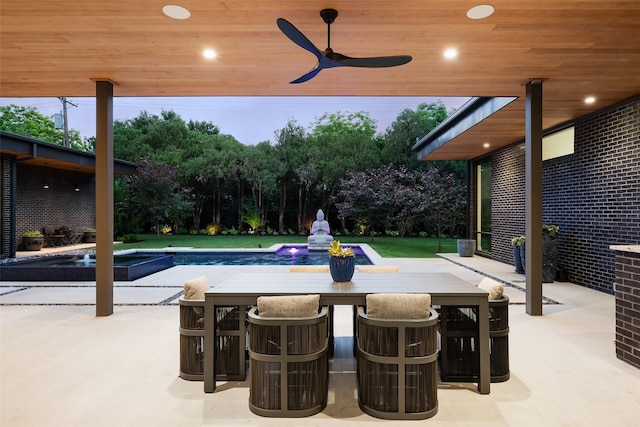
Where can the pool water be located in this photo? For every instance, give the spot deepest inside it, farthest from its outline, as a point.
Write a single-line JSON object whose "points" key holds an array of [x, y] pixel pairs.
{"points": [[286, 255], [83, 268]]}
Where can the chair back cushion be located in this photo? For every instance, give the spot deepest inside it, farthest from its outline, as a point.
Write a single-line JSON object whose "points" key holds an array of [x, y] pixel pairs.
{"points": [[289, 306], [195, 288], [494, 288], [399, 306]]}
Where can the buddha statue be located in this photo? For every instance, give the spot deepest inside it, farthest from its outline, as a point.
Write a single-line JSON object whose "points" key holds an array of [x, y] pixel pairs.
{"points": [[320, 237]]}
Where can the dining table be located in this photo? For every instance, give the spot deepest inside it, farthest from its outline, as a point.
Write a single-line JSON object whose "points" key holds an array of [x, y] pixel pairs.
{"points": [[243, 289]]}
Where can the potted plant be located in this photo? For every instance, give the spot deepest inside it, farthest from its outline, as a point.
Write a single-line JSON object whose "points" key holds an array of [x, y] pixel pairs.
{"points": [[342, 262], [33, 240], [89, 235], [518, 258], [549, 252], [466, 247]]}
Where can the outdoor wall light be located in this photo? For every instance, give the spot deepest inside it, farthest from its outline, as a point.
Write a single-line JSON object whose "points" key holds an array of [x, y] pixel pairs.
{"points": [[77, 187], [46, 177]]}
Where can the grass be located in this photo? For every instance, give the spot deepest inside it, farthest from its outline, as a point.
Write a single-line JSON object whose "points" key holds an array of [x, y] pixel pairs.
{"points": [[388, 247]]}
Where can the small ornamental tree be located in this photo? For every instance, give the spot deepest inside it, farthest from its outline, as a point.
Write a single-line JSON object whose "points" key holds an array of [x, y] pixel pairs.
{"points": [[397, 197], [155, 193]]}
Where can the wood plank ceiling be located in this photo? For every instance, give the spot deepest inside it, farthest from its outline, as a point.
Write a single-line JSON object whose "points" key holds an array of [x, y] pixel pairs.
{"points": [[579, 47]]}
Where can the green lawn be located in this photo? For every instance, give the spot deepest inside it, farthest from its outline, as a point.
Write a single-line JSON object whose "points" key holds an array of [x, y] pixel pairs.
{"points": [[389, 247]]}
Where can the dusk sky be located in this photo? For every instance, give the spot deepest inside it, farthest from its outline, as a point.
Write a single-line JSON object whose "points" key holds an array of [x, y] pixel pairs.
{"points": [[249, 119]]}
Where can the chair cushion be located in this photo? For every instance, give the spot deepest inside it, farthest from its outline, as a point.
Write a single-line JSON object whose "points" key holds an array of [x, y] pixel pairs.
{"points": [[195, 288], [378, 269], [291, 306], [309, 269], [399, 306], [494, 288]]}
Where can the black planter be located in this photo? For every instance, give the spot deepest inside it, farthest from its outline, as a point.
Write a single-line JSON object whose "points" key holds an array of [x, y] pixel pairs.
{"points": [[517, 259], [89, 237], [549, 258], [342, 268], [32, 243]]}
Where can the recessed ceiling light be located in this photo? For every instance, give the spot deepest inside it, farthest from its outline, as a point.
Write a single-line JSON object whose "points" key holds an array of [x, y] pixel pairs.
{"points": [[209, 54], [480, 12], [589, 100], [450, 53], [176, 12], [486, 145]]}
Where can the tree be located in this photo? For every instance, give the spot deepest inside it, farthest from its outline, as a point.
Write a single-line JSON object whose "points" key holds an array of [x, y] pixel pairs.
{"points": [[341, 142], [155, 193], [261, 169], [368, 196], [292, 152], [407, 129], [398, 197], [27, 121]]}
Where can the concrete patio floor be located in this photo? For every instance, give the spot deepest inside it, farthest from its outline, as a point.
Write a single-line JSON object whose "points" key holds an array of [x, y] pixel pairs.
{"points": [[60, 365]]}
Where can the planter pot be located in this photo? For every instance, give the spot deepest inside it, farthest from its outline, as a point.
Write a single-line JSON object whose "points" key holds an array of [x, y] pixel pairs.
{"points": [[523, 258], [32, 243], [89, 237], [342, 268], [549, 258], [466, 247], [517, 260]]}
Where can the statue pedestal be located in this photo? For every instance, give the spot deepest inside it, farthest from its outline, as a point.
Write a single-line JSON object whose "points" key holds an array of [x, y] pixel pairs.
{"points": [[319, 242]]}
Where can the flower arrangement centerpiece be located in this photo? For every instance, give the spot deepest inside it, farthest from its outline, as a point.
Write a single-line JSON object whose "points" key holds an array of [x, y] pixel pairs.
{"points": [[342, 262]]}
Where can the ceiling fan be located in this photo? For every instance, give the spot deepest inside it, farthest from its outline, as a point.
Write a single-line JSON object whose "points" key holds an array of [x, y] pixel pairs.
{"points": [[328, 58]]}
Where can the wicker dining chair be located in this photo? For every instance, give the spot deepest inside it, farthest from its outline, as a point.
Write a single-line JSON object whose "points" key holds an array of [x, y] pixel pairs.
{"points": [[397, 357], [288, 360]]}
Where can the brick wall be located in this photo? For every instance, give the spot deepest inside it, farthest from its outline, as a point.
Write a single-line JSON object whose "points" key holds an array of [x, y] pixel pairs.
{"points": [[593, 195], [58, 205], [627, 265], [6, 236]]}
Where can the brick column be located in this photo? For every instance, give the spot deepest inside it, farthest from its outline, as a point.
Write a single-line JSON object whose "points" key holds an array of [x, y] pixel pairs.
{"points": [[627, 292]]}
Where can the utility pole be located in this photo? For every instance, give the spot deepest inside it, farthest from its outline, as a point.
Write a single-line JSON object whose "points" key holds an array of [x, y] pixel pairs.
{"points": [[65, 121]]}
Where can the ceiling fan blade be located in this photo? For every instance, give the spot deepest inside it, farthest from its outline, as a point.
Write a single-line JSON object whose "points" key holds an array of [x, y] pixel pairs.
{"points": [[376, 62], [311, 74], [297, 37], [323, 62]]}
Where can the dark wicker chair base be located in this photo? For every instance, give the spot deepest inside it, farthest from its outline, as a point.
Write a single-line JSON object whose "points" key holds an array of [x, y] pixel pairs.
{"points": [[289, 380], [397, 367], [459, 335], [228, 342]]}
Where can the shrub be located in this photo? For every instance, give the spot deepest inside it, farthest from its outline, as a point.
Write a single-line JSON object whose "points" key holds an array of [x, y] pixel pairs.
{"points": [[213, 229]]}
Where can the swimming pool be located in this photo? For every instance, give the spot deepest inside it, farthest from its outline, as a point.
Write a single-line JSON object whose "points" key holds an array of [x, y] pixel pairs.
{"points": [[283, 255], [133, 264], [82, 268]]}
